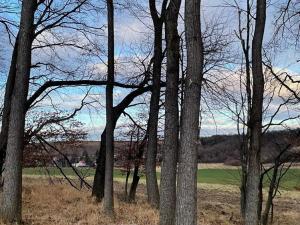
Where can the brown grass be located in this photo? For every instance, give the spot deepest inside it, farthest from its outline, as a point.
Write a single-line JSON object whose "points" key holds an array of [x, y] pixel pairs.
{"points": [[59, 204]]}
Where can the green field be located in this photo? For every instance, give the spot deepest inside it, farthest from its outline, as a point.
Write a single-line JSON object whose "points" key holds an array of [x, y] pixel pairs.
{"points": [[291, 181]]}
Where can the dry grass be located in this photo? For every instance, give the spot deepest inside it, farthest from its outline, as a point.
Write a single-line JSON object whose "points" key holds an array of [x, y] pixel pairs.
{"points": [[210, 166], [59, 204], [216, 166]]}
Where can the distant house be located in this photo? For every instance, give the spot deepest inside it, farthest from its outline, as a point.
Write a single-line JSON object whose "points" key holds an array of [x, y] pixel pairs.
{"points": [[81, 163]]}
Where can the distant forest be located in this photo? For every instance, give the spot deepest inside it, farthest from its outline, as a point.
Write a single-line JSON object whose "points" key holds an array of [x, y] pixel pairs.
{"points": [[215, 149]]}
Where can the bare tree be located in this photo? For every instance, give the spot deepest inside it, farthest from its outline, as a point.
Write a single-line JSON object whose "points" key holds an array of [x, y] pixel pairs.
{"points": [[48, 17], [245, 142], [282, 162], [109, 162], [254, 168], [12, 189], [98, 185], [6, 107], [151, 178], [287, 22], [132, 159], [170, 150], [47, 136], [186, 207]]}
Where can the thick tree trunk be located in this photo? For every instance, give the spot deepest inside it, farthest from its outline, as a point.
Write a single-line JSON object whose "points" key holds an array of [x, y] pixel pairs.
{"points": [[12, 189], [254, 168], [150, 164], [108, 202], [186, 207], [170, 151], [7, 102]]}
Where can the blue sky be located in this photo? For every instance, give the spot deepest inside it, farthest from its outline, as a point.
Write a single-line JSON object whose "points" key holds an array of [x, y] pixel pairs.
{"points": [[133, 38]]}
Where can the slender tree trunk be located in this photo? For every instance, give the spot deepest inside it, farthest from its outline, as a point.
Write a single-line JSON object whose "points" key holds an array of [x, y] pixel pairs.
{"points": [[109, 164], [12, 189], [126, 182], [137, 164], [7, 102], [254, 168], [261, 197], [150, 164], [186, 207], [128, 172], [243, 179], [134, 184], [99, 179], [170, 151], [246, 141], [269, 202]]}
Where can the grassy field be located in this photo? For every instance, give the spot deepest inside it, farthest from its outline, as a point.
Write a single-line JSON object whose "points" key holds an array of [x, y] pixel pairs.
{"points": [[57, 203], [291, 181]]}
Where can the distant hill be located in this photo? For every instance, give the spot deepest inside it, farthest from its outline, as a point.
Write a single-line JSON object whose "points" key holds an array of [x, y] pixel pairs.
{"points": [[225, 148], [214, 149]]}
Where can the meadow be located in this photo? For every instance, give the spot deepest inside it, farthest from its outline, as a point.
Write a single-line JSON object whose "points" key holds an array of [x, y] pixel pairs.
{"points": [[57, 203], [54, 201], [222, 176]]}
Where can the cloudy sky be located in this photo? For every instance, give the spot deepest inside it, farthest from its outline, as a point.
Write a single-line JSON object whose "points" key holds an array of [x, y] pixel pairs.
{"points": [[133, 39]]}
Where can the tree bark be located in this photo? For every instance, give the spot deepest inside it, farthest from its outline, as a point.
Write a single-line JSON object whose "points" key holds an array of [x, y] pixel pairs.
{"points": [[99, 179], [6, 109], [108, 203], [12, 189], [186, 207], [150, 164], [246, 138], [170, 151], [254, 168]]}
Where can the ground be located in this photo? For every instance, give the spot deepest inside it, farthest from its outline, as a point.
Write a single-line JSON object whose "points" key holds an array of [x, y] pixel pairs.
{"points": [[57, 203], [207, 174]]}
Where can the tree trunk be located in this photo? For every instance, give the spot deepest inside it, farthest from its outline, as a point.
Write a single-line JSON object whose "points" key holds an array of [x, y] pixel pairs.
{"points": [[12, 189], [108, 203], [126, 182], [269, 202], [150, 164], [246, 139], [260, 197], [6, 109], [243, 190], [136, 177], [254, 168], [170, 151], [98, 185], [134, 184], [186, 207]]}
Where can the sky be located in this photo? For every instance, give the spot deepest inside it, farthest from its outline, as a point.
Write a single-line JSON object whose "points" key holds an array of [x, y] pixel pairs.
{"points": [[133, 39]]}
